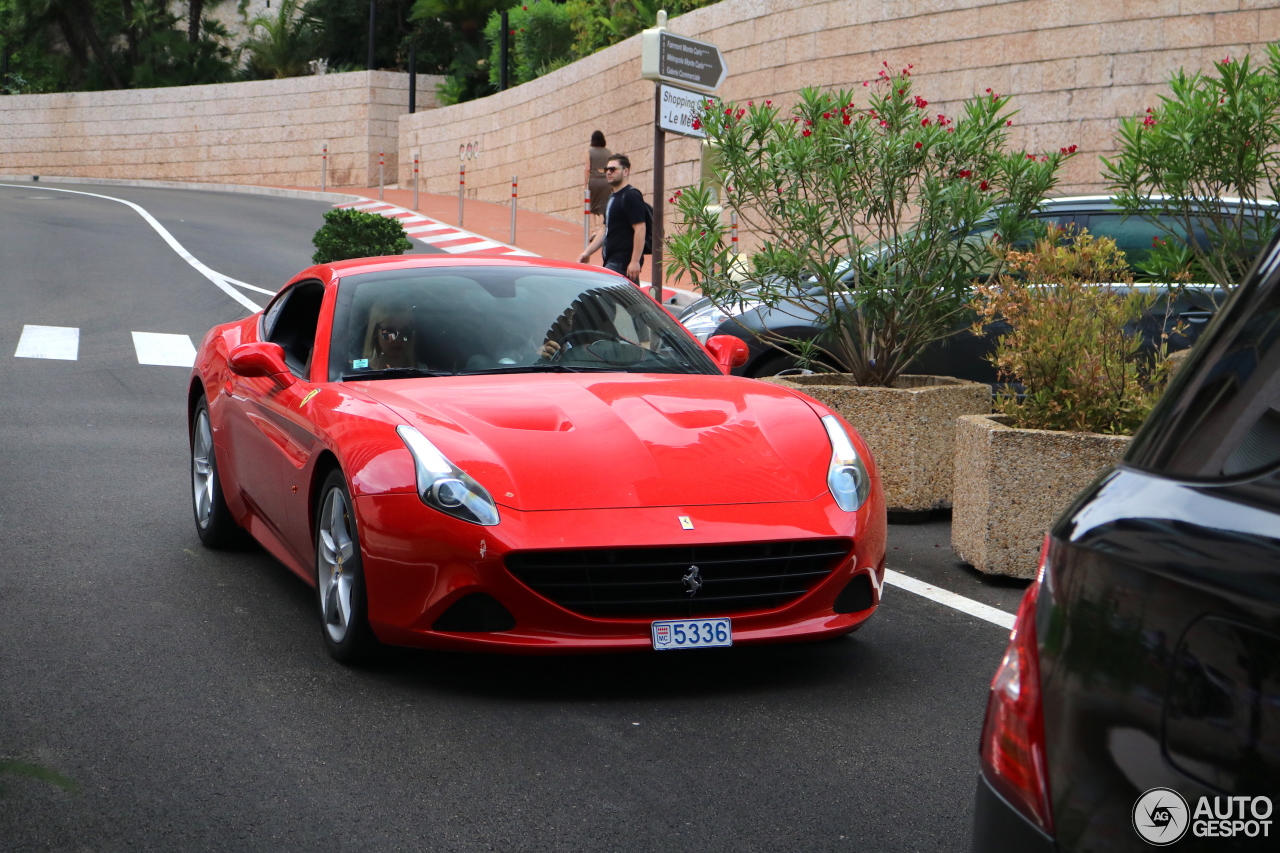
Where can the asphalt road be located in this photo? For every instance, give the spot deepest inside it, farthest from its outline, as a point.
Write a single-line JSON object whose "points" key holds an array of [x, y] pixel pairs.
{"points": [[188, 695]]}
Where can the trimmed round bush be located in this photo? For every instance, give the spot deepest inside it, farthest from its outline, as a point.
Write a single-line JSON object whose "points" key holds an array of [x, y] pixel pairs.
{"points": [[356, 234]]}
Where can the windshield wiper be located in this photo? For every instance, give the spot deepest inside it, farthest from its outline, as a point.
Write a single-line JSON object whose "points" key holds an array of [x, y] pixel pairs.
{"points": [[541, 368], [393, 373]]}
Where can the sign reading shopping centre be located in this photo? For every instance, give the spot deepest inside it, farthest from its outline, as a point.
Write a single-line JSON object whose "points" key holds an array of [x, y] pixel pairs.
{"points": [[678, 109], [684, 61]]}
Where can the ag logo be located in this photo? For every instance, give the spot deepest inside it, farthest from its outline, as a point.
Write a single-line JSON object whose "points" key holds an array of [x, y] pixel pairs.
{"points": [[1160, 816]]}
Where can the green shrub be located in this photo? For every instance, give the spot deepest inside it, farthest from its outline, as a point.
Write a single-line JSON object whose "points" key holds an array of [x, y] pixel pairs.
{"points": [[864, 215], [356, 234], [1073, 347], [1213, 136]]}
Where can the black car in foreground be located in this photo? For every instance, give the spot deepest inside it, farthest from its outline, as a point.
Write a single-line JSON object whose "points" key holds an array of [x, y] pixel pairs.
{"points": [[1138, 702], [963, 354]]}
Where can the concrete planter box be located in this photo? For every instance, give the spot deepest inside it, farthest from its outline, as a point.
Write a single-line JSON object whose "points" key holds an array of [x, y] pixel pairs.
{"points": [[1012, 483], [909, 428]]}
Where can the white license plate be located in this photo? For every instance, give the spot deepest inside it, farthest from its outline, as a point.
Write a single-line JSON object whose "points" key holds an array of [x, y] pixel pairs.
{"points": [[692, 634]]}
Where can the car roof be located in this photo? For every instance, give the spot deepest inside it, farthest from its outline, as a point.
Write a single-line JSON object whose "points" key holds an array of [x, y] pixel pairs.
{"points": [[356, 266]]}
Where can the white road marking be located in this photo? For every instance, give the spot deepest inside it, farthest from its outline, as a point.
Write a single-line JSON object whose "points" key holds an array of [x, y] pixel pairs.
{"points": [[238, 283], [216, 277], [443, 238], [164, 349], [481, 246], [957, 602], [422, 229], [60, 342]]}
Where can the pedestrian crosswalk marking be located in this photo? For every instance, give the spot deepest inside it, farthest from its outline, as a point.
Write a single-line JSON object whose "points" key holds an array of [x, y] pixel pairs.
{"points": [[164, 349], [60, 342]]}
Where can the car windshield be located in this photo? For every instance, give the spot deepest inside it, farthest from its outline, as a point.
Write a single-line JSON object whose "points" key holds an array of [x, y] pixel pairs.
{"points": [[474, 319]]}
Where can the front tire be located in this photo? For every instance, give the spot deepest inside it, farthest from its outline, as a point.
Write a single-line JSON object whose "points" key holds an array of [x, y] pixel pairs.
{"points": [[340, 588], [214, 524]]}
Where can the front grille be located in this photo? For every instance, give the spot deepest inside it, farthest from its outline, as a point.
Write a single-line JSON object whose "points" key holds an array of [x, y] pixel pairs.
{"points": [[650, 582]]}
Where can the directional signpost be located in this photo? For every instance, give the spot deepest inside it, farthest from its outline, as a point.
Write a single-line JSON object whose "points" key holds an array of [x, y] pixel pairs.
{"points": [[678, 64]]}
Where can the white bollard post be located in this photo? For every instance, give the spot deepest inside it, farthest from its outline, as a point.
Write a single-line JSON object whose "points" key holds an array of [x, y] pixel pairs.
{"points": [[324, 166], [415, 181], [514, 186], [382, 162]]}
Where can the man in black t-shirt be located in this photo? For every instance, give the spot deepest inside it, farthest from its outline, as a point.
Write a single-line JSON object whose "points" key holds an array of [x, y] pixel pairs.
{"points": [[625, 221]]}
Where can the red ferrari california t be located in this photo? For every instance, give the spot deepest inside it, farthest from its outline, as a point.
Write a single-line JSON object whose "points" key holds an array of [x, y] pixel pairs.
{"points": [[520, 455]]}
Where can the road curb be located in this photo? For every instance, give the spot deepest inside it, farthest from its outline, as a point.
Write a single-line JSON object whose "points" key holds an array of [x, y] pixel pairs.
{"points": [[244, 189]]}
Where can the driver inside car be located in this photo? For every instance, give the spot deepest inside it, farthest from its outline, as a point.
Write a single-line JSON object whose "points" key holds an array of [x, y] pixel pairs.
{"points": [[390, 338]]}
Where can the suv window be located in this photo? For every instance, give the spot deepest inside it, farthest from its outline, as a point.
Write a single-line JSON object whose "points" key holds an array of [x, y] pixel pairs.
{"points": [[1220, 417], [1136, 235]]}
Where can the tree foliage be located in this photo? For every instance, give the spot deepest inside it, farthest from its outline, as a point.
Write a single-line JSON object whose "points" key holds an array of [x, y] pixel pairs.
{"points": [[67, 45], [1213, 136], [283, 44], [866, 216]]}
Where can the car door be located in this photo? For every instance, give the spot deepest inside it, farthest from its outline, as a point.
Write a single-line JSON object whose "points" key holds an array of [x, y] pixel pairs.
{"points": [[1160, 637], [272, 436]]}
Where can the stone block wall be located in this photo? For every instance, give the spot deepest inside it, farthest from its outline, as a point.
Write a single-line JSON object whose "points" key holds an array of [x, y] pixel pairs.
{"points": [[1074, 67], [258, 132]]}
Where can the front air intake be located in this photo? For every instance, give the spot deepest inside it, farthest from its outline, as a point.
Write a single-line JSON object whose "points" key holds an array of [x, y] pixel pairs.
{"points": [[682, 581]]}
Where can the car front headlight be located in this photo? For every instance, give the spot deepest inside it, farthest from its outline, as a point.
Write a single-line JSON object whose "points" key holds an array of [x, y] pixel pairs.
{"points": [[702, 324], [847, 476], [444, 486]]}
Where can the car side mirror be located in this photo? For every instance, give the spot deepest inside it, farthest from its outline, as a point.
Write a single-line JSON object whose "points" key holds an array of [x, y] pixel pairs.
{"points": [[728, 351], [257, 359]]}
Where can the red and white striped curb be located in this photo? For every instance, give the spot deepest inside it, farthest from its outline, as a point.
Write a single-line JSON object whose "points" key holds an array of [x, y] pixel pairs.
{"points": [[424, 229]]}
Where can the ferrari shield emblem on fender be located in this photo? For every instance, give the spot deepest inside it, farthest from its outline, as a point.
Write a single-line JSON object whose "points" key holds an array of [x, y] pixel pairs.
{"points": [[686, 523]]}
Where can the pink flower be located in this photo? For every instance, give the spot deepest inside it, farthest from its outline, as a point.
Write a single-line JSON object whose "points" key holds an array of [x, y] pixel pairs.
{"points": [[826, 115], [1009, 123], [807, 132], [884, 123], [924, 122], [697, 124], [1148, 121], [966, 173], [984, 186], [768, 103], [1070, 149], [848, 120], [919, 145], [1031, 157], [921, 103]]}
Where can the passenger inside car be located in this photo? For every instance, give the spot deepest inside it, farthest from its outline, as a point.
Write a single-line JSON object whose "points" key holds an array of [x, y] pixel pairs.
{"points": [[391, 336]]}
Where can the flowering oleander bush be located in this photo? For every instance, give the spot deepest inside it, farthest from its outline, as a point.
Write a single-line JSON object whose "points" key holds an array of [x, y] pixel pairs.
{"points": [[356, 234], [1075, 347], [1213, 136], [867, 216]]}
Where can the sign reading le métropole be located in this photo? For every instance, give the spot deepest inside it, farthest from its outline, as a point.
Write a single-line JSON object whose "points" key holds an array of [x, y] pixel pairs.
{"points": [[677, 110]]}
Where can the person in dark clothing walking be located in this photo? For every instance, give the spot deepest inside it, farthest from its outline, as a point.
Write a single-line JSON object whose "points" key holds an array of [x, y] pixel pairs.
{"points": [[626, 220]]}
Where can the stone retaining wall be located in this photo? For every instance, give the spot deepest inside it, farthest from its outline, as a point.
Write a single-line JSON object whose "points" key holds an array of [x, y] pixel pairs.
{"points": [[259, 132], [1073, 66]]}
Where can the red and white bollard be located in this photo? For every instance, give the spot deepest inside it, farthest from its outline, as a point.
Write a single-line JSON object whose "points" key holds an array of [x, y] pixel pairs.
{"points": [[733, 232], [415, 181], [382, 162], [462, 190], [324, 166], [514, 185], [586, 220]]}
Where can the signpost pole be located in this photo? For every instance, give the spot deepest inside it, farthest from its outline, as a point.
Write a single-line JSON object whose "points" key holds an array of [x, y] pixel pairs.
{"points": [[659, 189]]}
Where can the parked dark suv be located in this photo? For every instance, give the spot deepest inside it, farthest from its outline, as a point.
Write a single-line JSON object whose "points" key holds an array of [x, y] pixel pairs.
{"points": [[962, 354], [1138, 702]]}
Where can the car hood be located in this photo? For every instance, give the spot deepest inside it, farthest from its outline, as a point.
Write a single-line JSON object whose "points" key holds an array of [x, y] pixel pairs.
{"points": [[586, 441]]}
